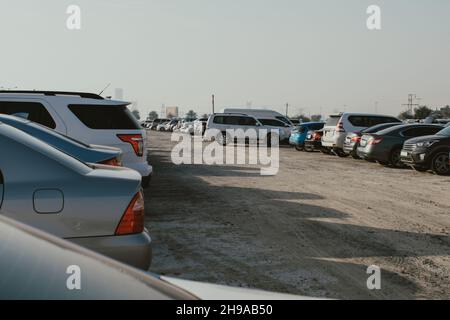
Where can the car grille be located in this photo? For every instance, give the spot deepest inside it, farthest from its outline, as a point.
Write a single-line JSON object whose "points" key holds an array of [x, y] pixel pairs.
{"points": [[409, 147]]}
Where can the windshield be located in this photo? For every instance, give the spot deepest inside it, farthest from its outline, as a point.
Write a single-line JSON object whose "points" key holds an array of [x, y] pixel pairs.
{"points": [[444, 132]]}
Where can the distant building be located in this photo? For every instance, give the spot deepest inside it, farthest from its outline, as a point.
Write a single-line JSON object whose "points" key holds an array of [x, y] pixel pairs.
{"points": [[172, 112], [118, 94]]}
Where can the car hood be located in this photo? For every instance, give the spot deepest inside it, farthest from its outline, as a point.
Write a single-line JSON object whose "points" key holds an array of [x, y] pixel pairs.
{"points": [[208, 291], [426, 138]]}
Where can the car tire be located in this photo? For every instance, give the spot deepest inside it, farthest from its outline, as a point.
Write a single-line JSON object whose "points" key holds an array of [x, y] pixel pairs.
{"points": [[299, 148], [395, 160], [440, 165], [340, 153], [355, 156]]}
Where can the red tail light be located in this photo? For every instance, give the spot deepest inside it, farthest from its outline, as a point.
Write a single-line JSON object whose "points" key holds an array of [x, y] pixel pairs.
{"points": [[133, 219], [340, 126], [356, 139], [317, 136], [135, 140], [115, 162]]}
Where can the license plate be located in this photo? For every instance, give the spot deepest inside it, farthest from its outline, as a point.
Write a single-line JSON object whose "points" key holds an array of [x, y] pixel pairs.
{"points": [[404, 153]]}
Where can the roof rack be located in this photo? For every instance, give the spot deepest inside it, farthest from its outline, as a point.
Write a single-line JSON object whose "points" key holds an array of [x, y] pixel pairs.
{"points": [[55, 93]]}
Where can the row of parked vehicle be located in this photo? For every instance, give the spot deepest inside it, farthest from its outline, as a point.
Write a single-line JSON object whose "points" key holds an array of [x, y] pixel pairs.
{"points": [[75, 164], [377, 138]]}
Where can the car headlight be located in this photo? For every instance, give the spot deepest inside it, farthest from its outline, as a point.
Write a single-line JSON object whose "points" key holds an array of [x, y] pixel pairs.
{"points": [[425, 144]]}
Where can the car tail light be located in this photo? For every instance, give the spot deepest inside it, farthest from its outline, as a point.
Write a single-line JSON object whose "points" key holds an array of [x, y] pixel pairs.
{"points": [[133, 219], [356, 139], [340, 126], [374, 141], [135, 140], [115, 162], [316, 136]]}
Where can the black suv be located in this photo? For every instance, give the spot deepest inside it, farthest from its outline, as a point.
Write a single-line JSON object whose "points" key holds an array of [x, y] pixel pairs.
{"points": [[428, 152]]}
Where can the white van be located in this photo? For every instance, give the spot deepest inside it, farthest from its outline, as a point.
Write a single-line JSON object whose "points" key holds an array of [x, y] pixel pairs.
{"points": [[259, 114]]}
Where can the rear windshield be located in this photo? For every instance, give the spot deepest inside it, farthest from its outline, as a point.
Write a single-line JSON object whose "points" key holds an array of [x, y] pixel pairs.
{"points": [[380, 127], [333, 121], [101, 117]]}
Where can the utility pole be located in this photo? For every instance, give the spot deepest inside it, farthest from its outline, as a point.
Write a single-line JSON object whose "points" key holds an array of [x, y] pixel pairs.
{"points": [[411, 104], [213, 103], [287, 110]]}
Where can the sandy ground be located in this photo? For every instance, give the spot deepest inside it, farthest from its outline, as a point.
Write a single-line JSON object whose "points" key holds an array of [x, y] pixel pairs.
{"points": [[312, 230]]}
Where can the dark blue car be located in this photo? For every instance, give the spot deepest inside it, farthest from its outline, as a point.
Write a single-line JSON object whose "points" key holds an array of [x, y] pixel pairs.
{"points": [[298, 135], [79, 150]]}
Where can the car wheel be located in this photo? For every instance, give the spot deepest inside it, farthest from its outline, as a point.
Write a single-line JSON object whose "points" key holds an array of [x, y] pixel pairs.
{"points": [[395, 160], [325, 151], [440, 165], [299, 148], [355, 156], [340, 153]]}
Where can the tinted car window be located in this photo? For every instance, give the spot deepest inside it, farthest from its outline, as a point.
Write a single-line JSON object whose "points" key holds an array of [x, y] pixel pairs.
{"points": [[420, 131], [32, 111], [316, 126], [272, 122], [445, 132], [105, 117], [369, 121], [246, 121]]}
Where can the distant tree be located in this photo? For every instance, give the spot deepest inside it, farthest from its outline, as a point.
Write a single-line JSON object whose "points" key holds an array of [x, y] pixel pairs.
{"points": [[191, 114], [136, 114], [405, 115], [445, 112], [153, 115], [422, 112], [316, 117]]}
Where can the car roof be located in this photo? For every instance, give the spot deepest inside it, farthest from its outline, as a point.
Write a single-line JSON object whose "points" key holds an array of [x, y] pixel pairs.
{"points": [[68, 97]]}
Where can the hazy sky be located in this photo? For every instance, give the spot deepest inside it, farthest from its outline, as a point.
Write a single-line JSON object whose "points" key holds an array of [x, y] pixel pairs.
{"points": [[313, 53]]}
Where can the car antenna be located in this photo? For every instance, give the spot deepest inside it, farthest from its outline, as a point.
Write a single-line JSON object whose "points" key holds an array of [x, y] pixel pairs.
{"points": [[104, 89]]}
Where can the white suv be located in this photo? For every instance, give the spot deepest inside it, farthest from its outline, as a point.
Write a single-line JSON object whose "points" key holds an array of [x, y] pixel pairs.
{"points": [[337, 127], [234, 121], [86, 117]]}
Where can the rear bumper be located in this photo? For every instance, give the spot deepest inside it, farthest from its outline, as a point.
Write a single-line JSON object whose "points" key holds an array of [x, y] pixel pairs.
{"points": [[349, 148], [316, 145], [336, 142], [135, 249], [143, 167]]}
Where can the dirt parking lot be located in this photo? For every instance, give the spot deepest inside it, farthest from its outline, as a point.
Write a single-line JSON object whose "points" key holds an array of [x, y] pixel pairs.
{"points": [[313, 229]]}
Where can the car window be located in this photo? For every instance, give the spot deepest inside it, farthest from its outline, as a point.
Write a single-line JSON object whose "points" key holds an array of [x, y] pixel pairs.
{"points": [[370, 121], [272, 122], [101, 117], [315, 127], [32, 111], [247, 121], [420, 131], [284, 119]]}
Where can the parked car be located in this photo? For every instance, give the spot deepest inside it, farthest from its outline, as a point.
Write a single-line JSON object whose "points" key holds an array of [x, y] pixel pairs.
{"points": [[171, 124], [233, 121], [385, 146], [295, 122], [428, 152], [86, 117], [313, 142], [200, 126], [156, 122], [284, 129], [259, 113], [97, 206], [162, 126], [299, 134], [54, 261], [81, 151], [352, 139], [337, 127]]}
